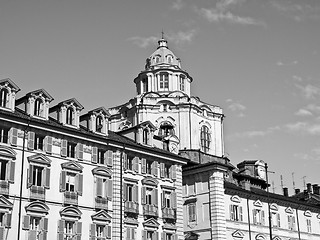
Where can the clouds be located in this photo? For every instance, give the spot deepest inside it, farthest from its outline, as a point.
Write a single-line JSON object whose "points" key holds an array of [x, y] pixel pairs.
{"points": [[308, 91], [236, 107]]}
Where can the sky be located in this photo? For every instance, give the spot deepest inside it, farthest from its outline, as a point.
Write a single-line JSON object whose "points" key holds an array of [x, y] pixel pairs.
{"points": [[257, 59]]}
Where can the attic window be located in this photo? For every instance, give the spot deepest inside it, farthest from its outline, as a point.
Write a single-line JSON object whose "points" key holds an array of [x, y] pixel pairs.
{"points": [[38, 107], [99, 124], [3, 97], [70, 116]]}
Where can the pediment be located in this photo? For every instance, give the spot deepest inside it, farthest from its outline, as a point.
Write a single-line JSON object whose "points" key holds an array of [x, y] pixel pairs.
{"points": [[37, 207], [276, 238], [203, 122], [70, 211], [274, 207], [40, 158], [151, 222], [289, 210], [147, 124], [177, 94], [72, 165], [100, 111], [5, 203], [150, 181], [307, 213], [257, 203], [7, 153], [101, 216], [72, 102], [260, 237], [41, 93], [102, 171], [151, 95], [238, 234], [235, 198], [8, 82]]}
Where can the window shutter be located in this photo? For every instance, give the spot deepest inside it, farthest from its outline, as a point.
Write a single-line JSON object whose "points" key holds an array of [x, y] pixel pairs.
{"points": [[136, 164], [135, 193], [94, 154], [61, 224], [63, 177], [80, 151], [262, 217], [92, 232], [231, 213], [46, 178], [14, 136], [30, 176], [124, 191], [155, 197], [155, 235], [173, 170], [109, 188], [43, 235], [79, 184], [48, 144], [241, 215], [32, 234], [278, 219], [108, 230], [161, 170], [144, 234], [31, 140], [163, 236], [174, 200], [110, 158], [143, 195], [254, 216], [2, 230], [175, 237], [155, 168], [12, 171], [26, 222], [63, 146], [124, 161], [78, 230], [7, 220], [99, 184], [143, 165], [44, 224]]}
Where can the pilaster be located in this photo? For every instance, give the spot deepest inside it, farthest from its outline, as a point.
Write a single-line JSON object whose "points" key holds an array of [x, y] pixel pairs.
{"points": [[178, 185]]}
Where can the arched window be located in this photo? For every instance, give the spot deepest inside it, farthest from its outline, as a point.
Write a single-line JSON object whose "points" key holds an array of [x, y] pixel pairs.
{"points": [[169, 59], [145, 136], [157, 58], [99, 124], [3, 97], [38, 107], [164, 81], [182, 82], [205, 138], [166, 129], [145, 85], [70, 116]]}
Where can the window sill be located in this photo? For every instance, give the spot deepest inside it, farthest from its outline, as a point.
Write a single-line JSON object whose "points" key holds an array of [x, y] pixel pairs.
{"points": [[130, 171]]}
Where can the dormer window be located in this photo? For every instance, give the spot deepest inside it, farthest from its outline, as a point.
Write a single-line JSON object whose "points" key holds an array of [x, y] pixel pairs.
{"points": [[70, 116], [164, 81], [38, 107], [4, 97], [145, 136], [99, 124]]}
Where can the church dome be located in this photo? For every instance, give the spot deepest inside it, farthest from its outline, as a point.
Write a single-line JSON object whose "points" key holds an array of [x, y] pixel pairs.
{"points": [[163, 57]]}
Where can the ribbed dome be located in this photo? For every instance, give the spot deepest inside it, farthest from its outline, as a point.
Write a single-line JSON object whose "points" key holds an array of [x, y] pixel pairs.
{"points": [[163, 57]]}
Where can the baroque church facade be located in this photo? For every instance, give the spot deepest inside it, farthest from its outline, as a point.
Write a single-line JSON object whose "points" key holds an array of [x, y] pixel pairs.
{"points": [[152, 168]]}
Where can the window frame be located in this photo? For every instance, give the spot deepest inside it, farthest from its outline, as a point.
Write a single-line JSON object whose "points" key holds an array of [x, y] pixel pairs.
{"points": [[205, 138]]}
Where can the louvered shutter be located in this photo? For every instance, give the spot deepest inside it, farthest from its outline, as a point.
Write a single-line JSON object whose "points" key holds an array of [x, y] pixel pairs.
{"points": [[109, 188], [46, 177], [80, 151], [43, 235], [124, 161], [231, 212], [143, 195], [32, 234], [7, 220], [173, 200], [241, 214], [63, 177], [94, 154], [11, 170], [124, 191], [262, 217], [31, 136], [143, 165], [14, 136], [173, 170], [61, 224], [79, 184], [2, 231], [110, 158], [155, 197], [136, 164], [49, 144], [144, 234], [278, 219], [78, 230], [155, 235], [161, 170], [135, 193], [26, 222], [30, 176], [254, 216], [92, 232], [175, 237], [163, 236], [108, 231], [99, 184], [64, 144], [155, 168]]}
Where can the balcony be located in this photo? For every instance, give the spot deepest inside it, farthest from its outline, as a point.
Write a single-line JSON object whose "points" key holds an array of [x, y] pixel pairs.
{"points": [[70, 198], [131, 207], [4, 187], [150, 210], [168, 213], [37, 192], [101, 203]]}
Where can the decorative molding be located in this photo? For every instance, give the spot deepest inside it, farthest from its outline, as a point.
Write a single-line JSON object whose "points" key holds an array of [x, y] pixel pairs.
{"points": [[102, 171], [72, 165], [151, 222], [37, 207], [235, 198], [101, 216], [289, 210], [307, 213], [260, 237], [70, 211], [238, 234], [257, 203], [40, 159], [274, 207]]}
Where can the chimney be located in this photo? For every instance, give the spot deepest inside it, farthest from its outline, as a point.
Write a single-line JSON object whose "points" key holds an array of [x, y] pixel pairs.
{"points": [[316, 189], [285, 192], [309, 189], [297, 191], [306, 194]]}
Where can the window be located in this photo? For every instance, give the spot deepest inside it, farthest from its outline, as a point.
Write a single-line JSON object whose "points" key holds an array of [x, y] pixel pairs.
{"points": [[192, 214], [39, 176], [145, 136], [4, 134], [205, 139], [71, 182], [236, 213], [101, 155], [130, 197], [145, 85], [39, 142], [168, 236], [291, 222], [167, 171], [99, 124], [38, 107], [100, 231], [5, 220], [275, 219], [3, 169], [4, 97], [149, 196], [70, 116], [166, 129], [104, 187], [258, 217], [167, 199], [71, 150], [37, 227], [157, 58], [182, 82], [309, 230], [149, 167], [164, 81], [130, 233]]}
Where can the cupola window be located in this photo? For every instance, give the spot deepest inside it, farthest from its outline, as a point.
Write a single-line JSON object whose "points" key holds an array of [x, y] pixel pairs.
{"points": [[38, 107], [3, 97], [164, 81], [166, 129], [182, 83], [70, 116], [169, 59], [99, 124], [157, 59], [205, 138], [145, 85]]}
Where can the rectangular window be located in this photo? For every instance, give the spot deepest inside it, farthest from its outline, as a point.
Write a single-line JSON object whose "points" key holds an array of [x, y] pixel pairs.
{"points": [[291, 222], [37, 176], [192, 212], [69, 229], [149, 196], [3, 169], [275, 219], [182, 83], [167, 170], [167, 199], [131, 233], [101, 154], [236, 213], [258, 217], [70, 182], [309, 230], [149, 167], [39, 142], [71, 150], [35, 223], [4, 134]]}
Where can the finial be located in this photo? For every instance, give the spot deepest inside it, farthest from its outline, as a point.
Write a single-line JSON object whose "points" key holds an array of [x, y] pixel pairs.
{"points": [[162, 34]]}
